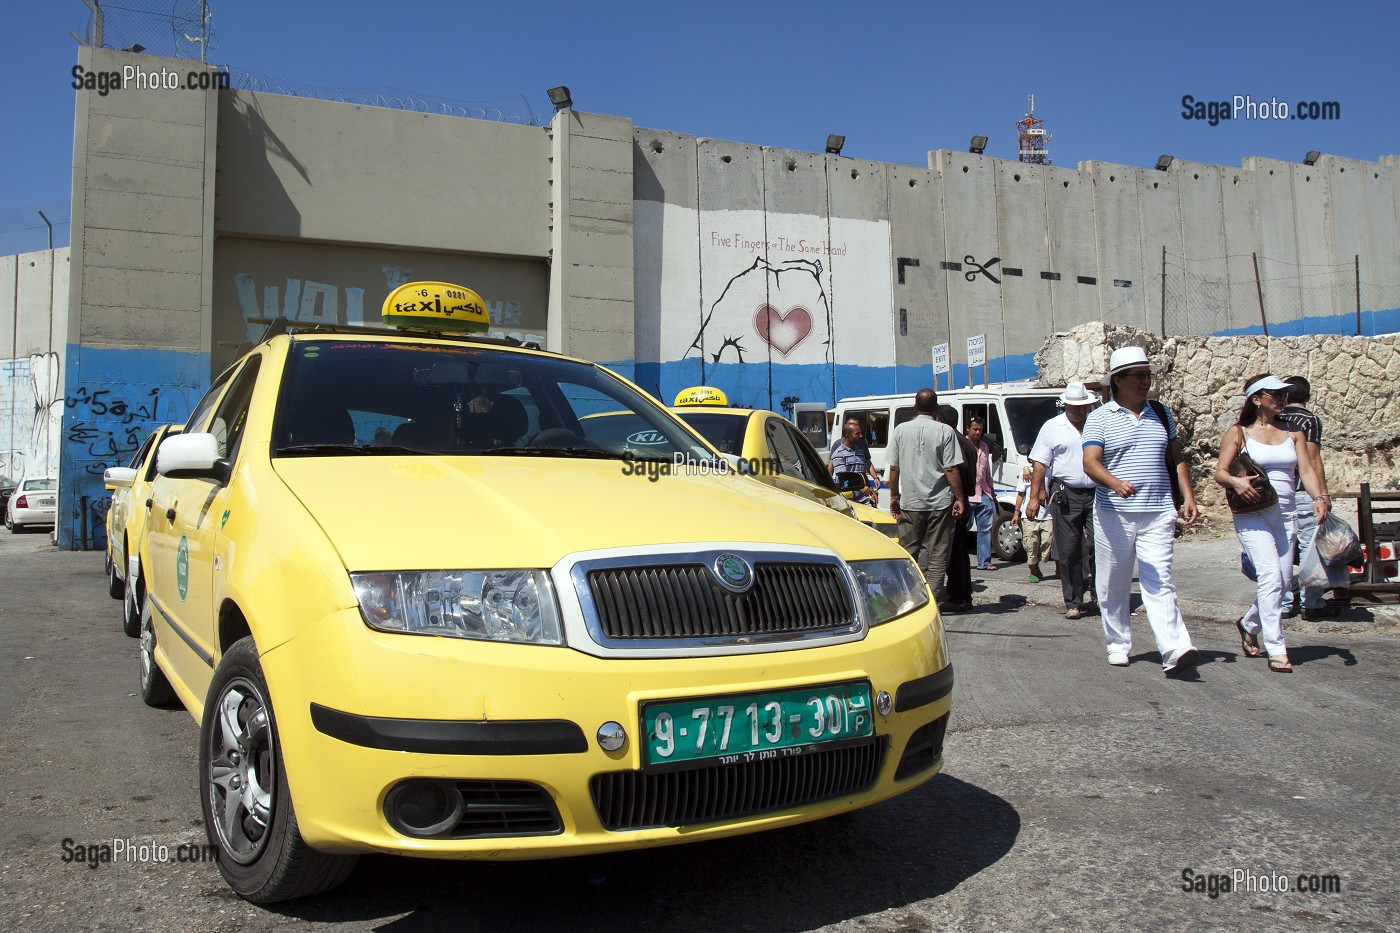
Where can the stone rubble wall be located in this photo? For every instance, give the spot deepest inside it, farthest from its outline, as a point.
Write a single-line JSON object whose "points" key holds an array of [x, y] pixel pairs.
{"points": [[1355, 391]]}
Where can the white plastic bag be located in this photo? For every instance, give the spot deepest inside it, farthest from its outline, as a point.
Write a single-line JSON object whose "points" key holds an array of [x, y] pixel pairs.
{"points": [[1313, 571], [1336, 543]]}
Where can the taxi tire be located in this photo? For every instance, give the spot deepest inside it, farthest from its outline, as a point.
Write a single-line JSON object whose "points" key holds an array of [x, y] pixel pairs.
{"points": [[131, 604], [116, 587], [283, 866], [155, 687]]}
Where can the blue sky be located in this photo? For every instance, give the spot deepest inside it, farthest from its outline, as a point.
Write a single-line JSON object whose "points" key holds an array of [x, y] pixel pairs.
{"points": [[897, 79]]}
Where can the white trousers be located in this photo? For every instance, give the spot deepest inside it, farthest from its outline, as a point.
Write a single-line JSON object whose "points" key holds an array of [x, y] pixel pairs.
{"points": [[1266, 537], [1119, 538]]}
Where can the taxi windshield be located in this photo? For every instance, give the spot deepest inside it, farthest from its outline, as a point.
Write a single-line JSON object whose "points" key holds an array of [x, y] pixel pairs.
{"points": [[724, 431], [363, 396]]}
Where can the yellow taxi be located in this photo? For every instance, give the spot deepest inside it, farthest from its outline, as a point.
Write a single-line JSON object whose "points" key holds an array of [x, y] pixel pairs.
{"points": [[126, 519], [537, 643], [768, 447]]}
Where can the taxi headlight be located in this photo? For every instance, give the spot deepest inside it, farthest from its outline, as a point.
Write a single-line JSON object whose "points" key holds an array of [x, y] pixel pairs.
{"points": [[890, 588], [490, 605]]}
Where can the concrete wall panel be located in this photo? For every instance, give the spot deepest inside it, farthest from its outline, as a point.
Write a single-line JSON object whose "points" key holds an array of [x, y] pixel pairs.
{"points": [[1239, 202], [1118, 241], [1380, 265], [1160, 218], [970, 229], [1027, 304], [1278, 238], [1205, 282], [1069, 211], [1321, 284], [33, 303], [919, 284]]}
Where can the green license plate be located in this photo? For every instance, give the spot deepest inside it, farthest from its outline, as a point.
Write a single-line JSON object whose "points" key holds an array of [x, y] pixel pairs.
{"points": [[754, 726]]}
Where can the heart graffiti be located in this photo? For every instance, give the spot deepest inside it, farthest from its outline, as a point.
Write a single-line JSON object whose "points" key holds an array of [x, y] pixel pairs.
{"points": [[783, 330]]}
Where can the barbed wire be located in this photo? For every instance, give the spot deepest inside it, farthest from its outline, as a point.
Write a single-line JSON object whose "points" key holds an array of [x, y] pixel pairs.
{"points": [[185, 29], [22, 230], [512, 109]]}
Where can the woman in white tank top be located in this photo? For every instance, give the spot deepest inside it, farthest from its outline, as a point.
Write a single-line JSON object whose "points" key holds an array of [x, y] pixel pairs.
{"points": [[1266, 536]]}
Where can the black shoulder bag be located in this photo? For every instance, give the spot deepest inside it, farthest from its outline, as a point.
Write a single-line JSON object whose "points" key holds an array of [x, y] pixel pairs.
{"points": [[1244, 465], [1178, 498]]}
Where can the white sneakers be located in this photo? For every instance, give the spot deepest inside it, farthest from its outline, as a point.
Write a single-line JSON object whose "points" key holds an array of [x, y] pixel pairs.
{"points": [[1118, 658]]}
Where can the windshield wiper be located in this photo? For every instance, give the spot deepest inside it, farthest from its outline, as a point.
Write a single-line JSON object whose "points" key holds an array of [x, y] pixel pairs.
{"points": [[297, 450], [586, 453]]}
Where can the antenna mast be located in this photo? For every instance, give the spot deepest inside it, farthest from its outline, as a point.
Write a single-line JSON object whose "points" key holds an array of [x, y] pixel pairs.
{"points": [[1031, 137]]}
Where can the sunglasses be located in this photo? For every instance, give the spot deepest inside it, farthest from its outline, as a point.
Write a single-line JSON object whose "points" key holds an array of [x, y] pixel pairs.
{"points": [[1138, 374]]}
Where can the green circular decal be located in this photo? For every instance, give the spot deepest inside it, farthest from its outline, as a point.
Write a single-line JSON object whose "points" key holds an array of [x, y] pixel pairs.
{"points": [[182, 567]]}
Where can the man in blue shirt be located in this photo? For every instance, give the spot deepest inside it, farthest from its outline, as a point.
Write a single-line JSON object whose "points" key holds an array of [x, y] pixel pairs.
{"points": [[1126, 444]]}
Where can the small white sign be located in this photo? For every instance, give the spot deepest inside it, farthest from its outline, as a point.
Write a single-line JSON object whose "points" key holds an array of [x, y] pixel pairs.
{"points": [[1036, 131], [940, 358], [976, 350]]}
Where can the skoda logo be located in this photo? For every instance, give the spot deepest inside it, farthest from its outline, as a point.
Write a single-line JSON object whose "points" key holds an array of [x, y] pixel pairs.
{"points": [[733, 572]]}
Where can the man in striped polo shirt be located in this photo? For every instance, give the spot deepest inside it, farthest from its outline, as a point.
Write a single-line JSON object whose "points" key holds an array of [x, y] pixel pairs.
{"points": [[1126, 443]]}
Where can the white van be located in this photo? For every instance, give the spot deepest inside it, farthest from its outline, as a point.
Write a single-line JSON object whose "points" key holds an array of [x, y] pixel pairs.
{"points": [[1014, 413]]}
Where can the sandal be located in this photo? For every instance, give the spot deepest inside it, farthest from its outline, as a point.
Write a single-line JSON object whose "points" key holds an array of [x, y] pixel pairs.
{"points": [[1280, 664], [1249, 644]]}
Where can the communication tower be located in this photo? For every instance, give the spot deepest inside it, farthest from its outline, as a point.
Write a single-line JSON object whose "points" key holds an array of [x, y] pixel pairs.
{"points": [[1031, 137]]}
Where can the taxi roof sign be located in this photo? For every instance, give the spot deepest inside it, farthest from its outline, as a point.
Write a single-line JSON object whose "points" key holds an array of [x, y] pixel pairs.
{"points": [[436, 306], [701, 395]]}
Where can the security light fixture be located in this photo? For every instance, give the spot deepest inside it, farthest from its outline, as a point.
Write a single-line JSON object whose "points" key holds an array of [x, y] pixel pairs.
{"points": [[1312, 157], [834, 144], [136, 47], [1164, 162], [559, 97], [978, 145]]}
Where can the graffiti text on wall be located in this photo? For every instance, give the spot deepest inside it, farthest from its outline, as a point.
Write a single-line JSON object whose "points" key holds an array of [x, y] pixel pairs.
{"points": [[109, 427], [312, 302]]}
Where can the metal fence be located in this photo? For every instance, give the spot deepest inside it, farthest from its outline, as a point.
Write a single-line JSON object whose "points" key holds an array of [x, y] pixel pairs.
{"points": [[1253, 293]]}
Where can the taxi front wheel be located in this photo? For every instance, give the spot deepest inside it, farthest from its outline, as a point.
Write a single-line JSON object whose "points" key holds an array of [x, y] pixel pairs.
{"points": [[248, 810]]}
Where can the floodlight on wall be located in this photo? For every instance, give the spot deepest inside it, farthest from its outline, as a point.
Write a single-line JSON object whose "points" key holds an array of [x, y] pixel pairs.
{"points": [[137, 47], [1164, 162], [978, 145], [1312, 157], [559, 97], [834, 144]]}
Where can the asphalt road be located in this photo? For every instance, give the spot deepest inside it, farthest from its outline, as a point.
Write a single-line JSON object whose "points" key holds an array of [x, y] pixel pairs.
{"points": [[1074, 797]]}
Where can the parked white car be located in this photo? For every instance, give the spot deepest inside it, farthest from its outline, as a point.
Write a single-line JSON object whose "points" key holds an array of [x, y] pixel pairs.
{"points": [[34, 502]]}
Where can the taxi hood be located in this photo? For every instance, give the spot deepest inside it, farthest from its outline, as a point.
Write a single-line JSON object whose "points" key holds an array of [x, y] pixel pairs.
{"points": [[422, 512]]}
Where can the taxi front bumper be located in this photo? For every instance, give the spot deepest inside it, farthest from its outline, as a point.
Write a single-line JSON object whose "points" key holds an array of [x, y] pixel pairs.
{"points": [[441, 747]]}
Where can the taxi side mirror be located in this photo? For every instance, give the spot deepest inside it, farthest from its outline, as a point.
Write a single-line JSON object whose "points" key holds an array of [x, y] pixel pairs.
{"points": [[850, 482], [192, 456], [118, 477]]}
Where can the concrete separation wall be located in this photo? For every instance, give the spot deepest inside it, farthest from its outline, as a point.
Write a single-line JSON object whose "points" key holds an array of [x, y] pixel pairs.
{"points": [[1355, 390], [33, 326]]}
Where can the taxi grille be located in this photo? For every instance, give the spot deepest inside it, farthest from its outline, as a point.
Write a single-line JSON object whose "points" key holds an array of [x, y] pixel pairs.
{"points": [[685, 601], [627, 800]]}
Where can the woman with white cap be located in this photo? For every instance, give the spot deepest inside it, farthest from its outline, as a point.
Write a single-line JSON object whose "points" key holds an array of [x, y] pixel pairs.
{"points": [[1126, 446], [1265, 534]]}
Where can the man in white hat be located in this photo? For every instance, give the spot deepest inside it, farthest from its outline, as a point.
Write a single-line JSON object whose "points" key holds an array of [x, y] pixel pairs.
{"points": [[1058, 459], [1126, 445]]}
